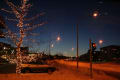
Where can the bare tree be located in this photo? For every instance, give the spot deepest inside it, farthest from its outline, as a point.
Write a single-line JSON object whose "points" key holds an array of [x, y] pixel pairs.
{"points": [[20, 13]]}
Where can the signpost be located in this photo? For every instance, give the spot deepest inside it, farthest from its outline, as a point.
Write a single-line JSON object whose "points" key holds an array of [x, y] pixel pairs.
{"points": [[90, 46]]}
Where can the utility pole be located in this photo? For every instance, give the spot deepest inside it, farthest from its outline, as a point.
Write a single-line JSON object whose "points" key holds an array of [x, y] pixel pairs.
{"points": [[49, 47], [77, 45], [90, 46]]}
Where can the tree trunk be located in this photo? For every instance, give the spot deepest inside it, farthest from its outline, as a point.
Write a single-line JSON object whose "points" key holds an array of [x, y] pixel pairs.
{"points": [[19, 60]]}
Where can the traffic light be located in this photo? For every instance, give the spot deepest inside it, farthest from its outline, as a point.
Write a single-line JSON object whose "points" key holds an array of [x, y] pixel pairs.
{"points": [[93, 46]]}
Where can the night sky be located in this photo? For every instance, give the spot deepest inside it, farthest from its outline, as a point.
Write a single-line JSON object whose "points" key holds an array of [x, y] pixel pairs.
{"points": [[63, 15]]}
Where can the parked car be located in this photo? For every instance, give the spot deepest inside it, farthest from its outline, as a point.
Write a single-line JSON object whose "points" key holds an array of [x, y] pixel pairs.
{"points": [[37, 67]]}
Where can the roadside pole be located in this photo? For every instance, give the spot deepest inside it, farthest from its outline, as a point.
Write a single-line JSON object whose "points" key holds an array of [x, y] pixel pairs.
{"points": [[49, 53], [49, 49], [90, 46], [77, 45]]}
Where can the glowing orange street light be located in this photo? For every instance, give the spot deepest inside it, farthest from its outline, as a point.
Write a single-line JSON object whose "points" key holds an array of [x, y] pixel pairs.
{"points": [[58, 38], [95, 14], [72, 49], [100, 41]]}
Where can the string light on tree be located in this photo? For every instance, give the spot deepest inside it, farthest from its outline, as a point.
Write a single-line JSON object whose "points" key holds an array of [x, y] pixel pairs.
{"points": [[20, 13]]}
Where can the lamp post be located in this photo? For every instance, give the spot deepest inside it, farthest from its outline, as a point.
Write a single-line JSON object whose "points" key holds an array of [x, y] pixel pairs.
{"points": [[58, 38], [90, 50], [49, 48], [5, 52], [72, 49], [95, 15], [100, 42], [77, 38], [51, 45]]}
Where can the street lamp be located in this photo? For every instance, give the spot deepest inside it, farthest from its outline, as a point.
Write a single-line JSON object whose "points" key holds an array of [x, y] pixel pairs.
{"points": [[72, 49], [52, 45], [58, 38], [100, 42], [91, 45], [95, 14]]}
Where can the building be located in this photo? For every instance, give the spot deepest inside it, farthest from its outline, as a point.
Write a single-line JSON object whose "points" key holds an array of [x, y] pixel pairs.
{"points": [[7, 49], [4, 45], [107, 53], [24, 50], [4, 48], [110, 49], [111, 52], [33, 57]]}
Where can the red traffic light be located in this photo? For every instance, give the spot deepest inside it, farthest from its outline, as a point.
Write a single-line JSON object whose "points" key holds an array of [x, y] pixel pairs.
{"points": [[93, 46]]}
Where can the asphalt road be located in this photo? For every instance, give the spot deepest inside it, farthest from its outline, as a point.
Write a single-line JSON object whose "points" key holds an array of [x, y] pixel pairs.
{"points": [[98, 74], [63, 72]]}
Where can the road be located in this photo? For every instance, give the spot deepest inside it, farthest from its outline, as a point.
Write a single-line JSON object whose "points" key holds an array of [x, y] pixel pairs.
{"points": [[63, 72], [101, 71]]}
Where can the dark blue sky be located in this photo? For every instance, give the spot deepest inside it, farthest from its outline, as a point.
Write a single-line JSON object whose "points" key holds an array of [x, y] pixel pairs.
{"points": [[62, 17]]}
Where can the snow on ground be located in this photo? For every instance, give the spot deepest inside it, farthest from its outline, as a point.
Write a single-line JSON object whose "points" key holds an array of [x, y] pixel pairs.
{"points": [[101, 71], [104, 66], [66, 72]]}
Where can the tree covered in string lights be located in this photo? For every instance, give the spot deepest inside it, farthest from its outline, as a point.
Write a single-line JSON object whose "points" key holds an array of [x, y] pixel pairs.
{"points": [[20, 12]]}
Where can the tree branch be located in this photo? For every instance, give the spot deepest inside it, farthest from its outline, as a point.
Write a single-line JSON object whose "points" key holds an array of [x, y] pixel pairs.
{"points": [[34, 26], [35, 17], [11, 19], [7, 11], [11, 35], [32, 34], [28, 24], [14, 8]]}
